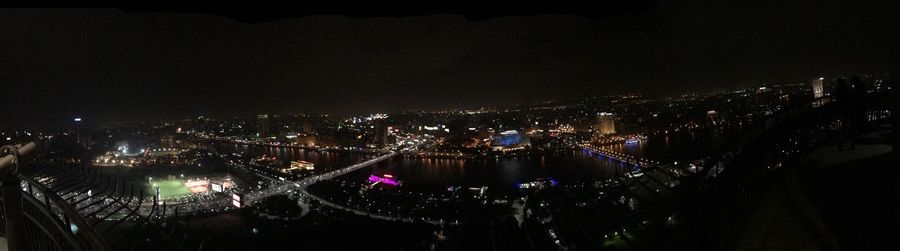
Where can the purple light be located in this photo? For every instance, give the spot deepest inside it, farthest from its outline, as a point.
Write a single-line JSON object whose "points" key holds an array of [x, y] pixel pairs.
{"points": [[388, 181]]}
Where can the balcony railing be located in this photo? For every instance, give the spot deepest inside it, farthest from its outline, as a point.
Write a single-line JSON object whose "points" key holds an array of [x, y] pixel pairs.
{"points": [[54, 208]]}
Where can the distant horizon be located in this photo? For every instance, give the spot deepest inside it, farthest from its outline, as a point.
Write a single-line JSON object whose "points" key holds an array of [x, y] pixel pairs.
{"points": [[137, 65], [87, 119]]}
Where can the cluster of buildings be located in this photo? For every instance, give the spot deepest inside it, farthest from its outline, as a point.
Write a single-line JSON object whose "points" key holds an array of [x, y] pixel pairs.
{"points": [[528, 129]]}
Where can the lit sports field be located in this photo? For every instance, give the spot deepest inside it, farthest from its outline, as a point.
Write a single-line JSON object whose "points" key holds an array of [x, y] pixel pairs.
{"points": [[170, 188]]}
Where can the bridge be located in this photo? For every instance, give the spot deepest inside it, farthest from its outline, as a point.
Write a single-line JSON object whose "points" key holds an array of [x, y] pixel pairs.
{"points": [[300, 187], [50, 208], [622, 157], [284, 187]]}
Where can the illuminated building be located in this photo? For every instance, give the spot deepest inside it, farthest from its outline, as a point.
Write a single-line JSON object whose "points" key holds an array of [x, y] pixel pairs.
{"points": [[509, 138], [301, 165], [818, 87], [606, 124], [566, 128], [381, 133], [81, 135], [262, 125]]}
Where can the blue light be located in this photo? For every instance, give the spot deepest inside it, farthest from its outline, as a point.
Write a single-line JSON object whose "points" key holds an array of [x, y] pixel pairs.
{"points": [[507, 139], [77, 119]]}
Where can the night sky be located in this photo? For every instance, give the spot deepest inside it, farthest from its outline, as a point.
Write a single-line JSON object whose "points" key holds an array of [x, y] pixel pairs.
{"points": [[114, 65]]}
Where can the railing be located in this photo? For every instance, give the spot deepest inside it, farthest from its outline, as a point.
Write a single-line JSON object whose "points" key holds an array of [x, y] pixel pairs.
{"points": [[732, 183], [54, 208], [29, 224]]}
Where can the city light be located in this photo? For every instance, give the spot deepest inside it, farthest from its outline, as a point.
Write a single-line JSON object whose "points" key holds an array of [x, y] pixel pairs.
{"points": [[531, 132]]}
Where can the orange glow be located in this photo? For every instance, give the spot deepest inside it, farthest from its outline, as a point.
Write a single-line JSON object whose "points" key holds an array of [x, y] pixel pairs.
{"points": [[198, 186]]}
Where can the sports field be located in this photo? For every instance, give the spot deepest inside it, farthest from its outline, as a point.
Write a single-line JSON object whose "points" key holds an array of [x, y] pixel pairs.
{"points": [[170, 188]]}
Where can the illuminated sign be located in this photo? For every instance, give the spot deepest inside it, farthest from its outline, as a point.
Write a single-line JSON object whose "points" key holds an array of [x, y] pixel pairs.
{"points": [[216, 187], [237, 200]]}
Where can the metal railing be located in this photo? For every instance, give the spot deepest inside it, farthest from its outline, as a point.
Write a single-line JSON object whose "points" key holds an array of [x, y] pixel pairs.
{"points": [[733, 182], [66, 208]]}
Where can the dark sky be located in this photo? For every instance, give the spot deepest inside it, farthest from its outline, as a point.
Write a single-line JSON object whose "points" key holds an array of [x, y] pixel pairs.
{"points": [[112, 65]]}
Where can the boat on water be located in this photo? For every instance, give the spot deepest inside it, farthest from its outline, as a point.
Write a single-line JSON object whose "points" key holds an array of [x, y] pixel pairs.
{"points": [[636, 139]]}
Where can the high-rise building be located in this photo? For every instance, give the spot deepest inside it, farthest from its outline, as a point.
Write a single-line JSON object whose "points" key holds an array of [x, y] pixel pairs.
{"points": [[306, 126], [381, 133], [818, 87], [262, 125], [82, 136], [201, 124], [606, 124]]}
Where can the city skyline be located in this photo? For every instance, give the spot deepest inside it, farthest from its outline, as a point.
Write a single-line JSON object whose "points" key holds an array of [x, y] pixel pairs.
{"points": [[109, 121]]}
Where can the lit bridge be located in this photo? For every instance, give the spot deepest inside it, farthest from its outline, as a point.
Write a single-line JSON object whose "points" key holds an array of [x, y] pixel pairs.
{"points": [[284, 187], [621, 157]]}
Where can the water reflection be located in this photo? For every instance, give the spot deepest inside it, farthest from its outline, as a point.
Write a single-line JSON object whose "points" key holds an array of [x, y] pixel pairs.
{"points": [[432, 173], [571, 167]]}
